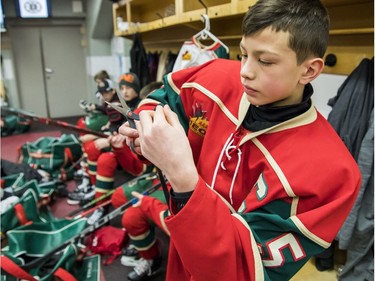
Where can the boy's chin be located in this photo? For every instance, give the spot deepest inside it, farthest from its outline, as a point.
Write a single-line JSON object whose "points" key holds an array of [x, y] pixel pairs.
{"points": [[253, 101]]}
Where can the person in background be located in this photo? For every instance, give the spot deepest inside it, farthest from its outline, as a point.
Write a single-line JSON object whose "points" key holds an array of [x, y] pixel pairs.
{"points": [[149, 88], [99, 76], [94, 121], [260, 181], [144, 251], [143, 245], [105, 155], [103, 74]]}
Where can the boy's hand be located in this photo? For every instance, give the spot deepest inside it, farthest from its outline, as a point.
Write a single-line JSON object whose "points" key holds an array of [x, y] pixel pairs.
{"points": [[164, 143], [139, 196], [101, 143], [86, 106], [87, 137], [106, 126], [116, 140], [131, 135]]}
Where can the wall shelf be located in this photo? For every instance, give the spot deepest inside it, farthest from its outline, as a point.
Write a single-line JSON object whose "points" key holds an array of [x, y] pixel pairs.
{"points": [[348, 31], [166, 24]]}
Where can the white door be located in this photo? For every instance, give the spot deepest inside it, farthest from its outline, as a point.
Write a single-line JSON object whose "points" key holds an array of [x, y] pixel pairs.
{"points": [[51, 69], [65, 70]]}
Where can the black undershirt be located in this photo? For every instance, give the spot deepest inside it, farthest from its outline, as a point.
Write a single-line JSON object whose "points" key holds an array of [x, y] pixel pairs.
{"points": [[262, 117], [133, 103]]}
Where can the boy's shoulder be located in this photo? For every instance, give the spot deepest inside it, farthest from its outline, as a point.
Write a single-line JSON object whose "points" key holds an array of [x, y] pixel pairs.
{"points": [[320, 141], [214, 69], [216, 76]]}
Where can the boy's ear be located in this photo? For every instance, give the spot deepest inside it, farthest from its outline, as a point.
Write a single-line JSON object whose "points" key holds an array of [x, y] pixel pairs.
{"points": [[312, 69]]}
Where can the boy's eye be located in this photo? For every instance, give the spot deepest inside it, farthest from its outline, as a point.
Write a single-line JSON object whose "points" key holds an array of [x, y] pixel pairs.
{"points": [[243, 56], [264, 62]]}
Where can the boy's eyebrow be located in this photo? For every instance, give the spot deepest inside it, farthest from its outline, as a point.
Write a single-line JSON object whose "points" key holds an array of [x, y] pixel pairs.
{"points": [[260, 52]]}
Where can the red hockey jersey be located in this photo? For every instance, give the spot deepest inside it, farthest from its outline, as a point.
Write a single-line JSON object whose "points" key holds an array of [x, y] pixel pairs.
{"points": [[266, 201]]}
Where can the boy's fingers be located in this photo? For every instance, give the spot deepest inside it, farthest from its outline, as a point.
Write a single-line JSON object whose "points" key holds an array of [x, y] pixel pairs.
{"points": [[145, 122], [165, 114], [127, 131], [159, 116], [171, 117], [137, 194]]}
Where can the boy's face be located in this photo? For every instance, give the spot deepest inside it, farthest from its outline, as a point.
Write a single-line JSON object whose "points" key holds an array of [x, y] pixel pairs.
{"points": [[128, 93], [269, 70], [107, 96]]}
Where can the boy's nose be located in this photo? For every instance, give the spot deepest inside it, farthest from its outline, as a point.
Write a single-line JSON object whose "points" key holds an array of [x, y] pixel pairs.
{"points": [[247, 72]]}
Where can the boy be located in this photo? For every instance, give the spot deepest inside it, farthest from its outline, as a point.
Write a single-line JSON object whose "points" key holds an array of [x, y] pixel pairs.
{"points": [[104, 155], [144, 247], [261, 182]]}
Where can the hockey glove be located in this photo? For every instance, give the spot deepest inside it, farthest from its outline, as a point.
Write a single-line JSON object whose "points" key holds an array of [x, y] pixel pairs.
{"points": [[86, 106]]}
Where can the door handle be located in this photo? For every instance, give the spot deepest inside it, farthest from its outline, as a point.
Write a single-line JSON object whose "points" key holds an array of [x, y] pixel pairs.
{"points": [[48, 70]]}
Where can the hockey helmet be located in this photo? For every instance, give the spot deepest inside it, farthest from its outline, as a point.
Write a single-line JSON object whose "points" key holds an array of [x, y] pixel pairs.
{"points": [[96, 120]]}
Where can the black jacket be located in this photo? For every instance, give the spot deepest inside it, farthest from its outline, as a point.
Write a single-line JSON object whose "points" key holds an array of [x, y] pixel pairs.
{"points": [[139, 61], [352, 106]]}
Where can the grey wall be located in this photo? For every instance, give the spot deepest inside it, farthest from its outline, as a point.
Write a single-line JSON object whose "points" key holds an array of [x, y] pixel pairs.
{"points": [[102, 50], [106, 52]]}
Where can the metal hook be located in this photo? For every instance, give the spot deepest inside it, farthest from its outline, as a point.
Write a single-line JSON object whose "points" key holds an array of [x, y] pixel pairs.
{"points": [[206, 21], [206, 29], [204, 5], [161, 17]]}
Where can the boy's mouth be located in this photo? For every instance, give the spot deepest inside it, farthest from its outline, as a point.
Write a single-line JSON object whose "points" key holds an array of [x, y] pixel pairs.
{"points": [[249, 90]]}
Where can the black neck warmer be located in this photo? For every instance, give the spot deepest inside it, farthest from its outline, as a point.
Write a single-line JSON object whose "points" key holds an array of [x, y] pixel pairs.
{"points": [[265, 116], [133, 103]]}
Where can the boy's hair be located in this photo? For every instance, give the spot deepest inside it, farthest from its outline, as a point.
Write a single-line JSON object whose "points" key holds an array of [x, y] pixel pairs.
{"points": [[101, 75], [149, 88], [131, 80], [306, 21], [105, 86]]}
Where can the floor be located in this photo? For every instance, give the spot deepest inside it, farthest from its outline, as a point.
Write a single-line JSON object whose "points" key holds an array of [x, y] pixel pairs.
{"points": [[116, 271], [310, 273]]}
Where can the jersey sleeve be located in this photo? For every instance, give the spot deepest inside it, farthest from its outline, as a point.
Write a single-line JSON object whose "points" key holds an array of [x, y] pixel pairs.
{"points": [[214, 244], [167, 95], [269, 242], [283, 247], [259, 245], [174, 94], [128, 161]]}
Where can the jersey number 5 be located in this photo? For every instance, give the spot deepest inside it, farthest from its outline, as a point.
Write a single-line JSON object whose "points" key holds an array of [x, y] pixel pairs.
{"points": [[276, 247]]}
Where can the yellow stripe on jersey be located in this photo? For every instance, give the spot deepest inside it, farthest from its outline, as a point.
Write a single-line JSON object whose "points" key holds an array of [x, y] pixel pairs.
{"points": [[213, 97], [104, 179], [275, 167], [259, 273], [309, 234]]}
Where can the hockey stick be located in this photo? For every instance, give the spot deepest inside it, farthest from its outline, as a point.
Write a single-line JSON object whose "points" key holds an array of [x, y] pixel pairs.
{"points": [[56, 123], [75, 164], [119, 211], [147, 176], [89, 204], [89, 211]]}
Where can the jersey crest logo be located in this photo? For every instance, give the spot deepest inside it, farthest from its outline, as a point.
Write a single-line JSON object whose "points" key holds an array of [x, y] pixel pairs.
{"points": [[186, 56], [261, 188], [198, 123]]}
